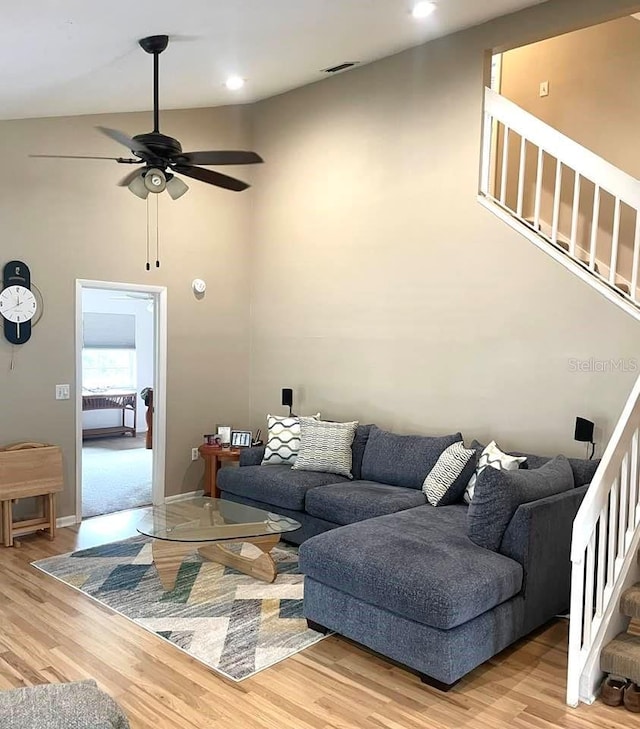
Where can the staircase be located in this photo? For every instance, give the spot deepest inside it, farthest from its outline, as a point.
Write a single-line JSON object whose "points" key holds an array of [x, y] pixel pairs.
{"points": [[584, 213], [621, 656], [575, 206]]}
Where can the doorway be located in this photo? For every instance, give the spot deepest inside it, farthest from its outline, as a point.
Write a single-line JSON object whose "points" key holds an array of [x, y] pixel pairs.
{"points": [[120, 403]]}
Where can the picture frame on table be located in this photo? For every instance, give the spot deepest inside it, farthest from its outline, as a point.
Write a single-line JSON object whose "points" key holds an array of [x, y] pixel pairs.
{"points": [[241, 438], [224, 431]]}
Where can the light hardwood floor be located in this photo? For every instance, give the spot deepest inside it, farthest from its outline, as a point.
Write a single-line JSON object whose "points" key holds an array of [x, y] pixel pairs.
{"points": [[50, 633]]}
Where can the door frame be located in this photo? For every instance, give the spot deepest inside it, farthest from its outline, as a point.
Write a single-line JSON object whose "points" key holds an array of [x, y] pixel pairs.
{"points": [[159, 294]]}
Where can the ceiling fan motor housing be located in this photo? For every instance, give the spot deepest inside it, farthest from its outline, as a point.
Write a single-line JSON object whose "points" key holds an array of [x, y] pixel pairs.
{"points": [[162, 146]]}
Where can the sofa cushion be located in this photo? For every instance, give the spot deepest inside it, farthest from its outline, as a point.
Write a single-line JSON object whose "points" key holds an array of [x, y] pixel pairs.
{"points": [[499, 493], [357, 449], [583, 470], [419, 564], [325, 446], [347, 503], [402, 460], [277, 485]]}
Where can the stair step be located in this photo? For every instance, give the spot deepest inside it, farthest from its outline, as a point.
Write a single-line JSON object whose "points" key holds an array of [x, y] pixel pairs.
{"points": [[622, 657], [630, 602]]}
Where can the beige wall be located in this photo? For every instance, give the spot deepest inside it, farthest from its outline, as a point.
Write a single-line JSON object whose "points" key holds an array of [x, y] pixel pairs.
{"points": [[68, 220], [383, 291], [593, 77]]}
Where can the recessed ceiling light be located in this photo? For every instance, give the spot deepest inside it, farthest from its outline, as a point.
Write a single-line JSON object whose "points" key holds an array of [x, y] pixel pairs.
{"points": [[234, 83], [423, 9]]}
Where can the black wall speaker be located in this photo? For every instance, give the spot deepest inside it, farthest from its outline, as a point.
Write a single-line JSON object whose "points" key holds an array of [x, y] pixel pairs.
{"points": [[584, 430], [287, 397]]}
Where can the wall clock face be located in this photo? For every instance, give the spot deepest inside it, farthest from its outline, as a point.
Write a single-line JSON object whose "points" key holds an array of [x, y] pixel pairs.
{"points": [[18, 305]]}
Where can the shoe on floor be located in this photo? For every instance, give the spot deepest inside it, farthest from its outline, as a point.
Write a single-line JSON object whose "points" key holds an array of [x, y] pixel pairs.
{"points": [[613, 691], [632, 698]]}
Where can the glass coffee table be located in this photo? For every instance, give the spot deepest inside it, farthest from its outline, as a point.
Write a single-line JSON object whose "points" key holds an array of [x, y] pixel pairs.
{"points": [[207, 526]]}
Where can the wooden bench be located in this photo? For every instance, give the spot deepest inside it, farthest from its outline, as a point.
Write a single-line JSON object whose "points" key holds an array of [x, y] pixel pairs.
{"points": [[29, 470]]}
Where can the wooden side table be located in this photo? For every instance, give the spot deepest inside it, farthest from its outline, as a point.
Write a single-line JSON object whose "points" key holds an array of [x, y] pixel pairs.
{"points": [[29, 469], [213, 456]]}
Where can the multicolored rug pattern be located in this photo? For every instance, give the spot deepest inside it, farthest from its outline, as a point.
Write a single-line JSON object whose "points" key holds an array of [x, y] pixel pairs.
{"points": [[233, 623]]}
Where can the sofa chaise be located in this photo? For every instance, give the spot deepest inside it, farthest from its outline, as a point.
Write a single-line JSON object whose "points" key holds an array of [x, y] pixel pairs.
{"points": [[388, 570]]}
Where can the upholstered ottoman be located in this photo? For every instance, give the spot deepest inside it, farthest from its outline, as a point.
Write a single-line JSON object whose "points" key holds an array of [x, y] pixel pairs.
{"points": [[78, 705]]}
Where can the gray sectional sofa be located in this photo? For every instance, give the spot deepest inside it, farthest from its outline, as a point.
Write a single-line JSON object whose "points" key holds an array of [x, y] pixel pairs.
{"points": [[386, 569]]}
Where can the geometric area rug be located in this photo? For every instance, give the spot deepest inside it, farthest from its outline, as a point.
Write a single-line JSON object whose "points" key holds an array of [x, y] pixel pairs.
{"points": [[229, 621]]}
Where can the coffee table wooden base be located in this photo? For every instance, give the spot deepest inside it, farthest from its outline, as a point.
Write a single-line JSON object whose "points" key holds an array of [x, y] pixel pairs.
{"points": [[168, 556]]}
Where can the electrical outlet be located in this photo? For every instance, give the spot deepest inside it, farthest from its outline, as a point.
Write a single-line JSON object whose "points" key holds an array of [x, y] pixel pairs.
{"points": [[544, 88], [62, 392], [195, 454]]}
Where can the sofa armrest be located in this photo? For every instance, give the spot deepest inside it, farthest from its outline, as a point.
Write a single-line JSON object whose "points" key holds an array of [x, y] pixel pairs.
{"points": [[539, 538], [251, 456]]}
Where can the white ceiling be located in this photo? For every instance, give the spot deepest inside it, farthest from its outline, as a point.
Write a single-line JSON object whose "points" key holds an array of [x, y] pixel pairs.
{"points": [[81, 56]]}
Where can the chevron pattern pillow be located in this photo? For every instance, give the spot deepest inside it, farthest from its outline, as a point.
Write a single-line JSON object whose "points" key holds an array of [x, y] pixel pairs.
{"points": [[446, 482], [492, 457], [283, 440], [325, 447]]}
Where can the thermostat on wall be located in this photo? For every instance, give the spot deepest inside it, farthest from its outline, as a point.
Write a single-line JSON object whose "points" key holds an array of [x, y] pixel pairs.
{"points": [[198, 286]]}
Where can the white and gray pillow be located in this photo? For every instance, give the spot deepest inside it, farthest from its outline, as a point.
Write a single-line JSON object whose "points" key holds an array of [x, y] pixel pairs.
{"points": [[283, 440], [492, 457], [325, 446], [446, 482]]}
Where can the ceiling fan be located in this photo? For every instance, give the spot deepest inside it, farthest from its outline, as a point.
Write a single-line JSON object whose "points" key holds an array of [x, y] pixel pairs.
{"points": [[162, 156]]}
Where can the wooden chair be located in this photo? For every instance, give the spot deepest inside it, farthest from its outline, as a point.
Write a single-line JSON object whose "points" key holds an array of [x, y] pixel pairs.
{"points": [[29, 470]]}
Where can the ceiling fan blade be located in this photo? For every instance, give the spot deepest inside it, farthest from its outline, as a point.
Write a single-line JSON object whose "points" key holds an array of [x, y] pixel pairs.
{"points": [[128, 179], [212, 177], [134, 145], [122, 160], [230, 157]]}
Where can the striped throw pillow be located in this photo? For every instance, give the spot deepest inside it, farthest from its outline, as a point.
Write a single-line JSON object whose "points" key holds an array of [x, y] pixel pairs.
{"points": [[283, 440], [325, 447], [446, 482]]}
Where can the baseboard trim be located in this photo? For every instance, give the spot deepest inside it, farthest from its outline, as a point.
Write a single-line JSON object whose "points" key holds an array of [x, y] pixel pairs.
{"points": [[66, 521], [182, 497]]}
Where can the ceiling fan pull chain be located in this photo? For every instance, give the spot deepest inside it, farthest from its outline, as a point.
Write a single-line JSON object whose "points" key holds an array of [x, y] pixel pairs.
{"points": [[148, 242], [157, 233]]}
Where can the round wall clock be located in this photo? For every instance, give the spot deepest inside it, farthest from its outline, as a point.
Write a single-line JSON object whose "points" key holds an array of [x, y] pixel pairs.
{"points": [[18, 305]]}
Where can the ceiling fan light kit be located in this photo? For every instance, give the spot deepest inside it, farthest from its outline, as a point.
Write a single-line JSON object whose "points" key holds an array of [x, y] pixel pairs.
{"points": [[176, 187], [138, 187]]}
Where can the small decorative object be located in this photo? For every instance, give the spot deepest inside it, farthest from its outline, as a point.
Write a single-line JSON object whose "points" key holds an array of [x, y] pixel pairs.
{"points": [[241, 438], [224, 431], [584, 433], [198, 286], [213, 439], [287, 399]]}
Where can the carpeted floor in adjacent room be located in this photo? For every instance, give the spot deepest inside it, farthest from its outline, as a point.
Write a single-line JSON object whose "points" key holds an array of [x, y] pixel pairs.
{"points": [[116, 475]]}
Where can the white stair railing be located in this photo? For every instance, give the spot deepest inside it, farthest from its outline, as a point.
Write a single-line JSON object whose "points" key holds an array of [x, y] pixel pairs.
{"points": [[606, 536], [529, 169]]}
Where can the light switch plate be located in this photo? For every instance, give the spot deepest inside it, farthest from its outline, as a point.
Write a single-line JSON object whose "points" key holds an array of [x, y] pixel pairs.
{"points": [[544, 88], [62, 392]]}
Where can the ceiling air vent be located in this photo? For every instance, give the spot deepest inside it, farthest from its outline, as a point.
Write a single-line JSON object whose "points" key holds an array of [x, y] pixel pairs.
{"points": [[340, 67]]}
